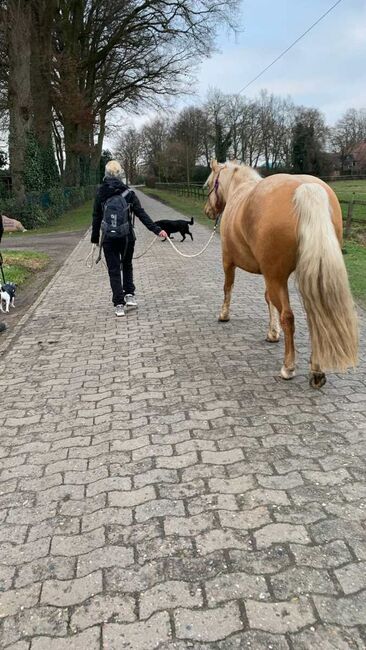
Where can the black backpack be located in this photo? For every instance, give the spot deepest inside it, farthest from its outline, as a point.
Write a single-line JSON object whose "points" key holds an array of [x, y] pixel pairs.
{"points": [[116, 221]]}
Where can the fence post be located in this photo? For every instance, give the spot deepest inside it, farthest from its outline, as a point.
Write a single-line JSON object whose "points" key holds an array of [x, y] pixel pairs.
{"points": [[349, 217]]}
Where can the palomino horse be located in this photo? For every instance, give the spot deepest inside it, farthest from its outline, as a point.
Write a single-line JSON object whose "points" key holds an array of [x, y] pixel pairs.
{"points": [[279, 225]]}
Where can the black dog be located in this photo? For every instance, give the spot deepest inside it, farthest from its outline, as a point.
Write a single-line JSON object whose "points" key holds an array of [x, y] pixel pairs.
{"points": [[176, 226]]}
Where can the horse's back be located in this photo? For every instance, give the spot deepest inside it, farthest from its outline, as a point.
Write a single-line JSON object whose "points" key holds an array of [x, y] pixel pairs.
{"points": [[269, 223]]}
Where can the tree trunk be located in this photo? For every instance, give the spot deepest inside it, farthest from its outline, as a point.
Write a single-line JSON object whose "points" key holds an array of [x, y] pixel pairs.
{"points": [[43, 13], [72, 166], [97, 152], [19, 89]]}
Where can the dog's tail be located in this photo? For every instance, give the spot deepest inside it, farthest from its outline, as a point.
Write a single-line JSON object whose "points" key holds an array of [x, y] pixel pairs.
{"points": [[191, 222]]}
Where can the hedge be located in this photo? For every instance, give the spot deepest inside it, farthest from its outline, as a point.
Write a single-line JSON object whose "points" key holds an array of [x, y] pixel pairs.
{"points": [[41, 208]]}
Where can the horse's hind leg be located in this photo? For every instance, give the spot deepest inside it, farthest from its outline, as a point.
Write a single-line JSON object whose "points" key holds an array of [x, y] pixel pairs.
{"points": [[278, 295], [274, 328], [317, 377], [229, 270]]}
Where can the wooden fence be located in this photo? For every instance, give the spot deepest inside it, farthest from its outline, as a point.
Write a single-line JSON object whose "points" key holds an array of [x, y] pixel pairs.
{"points": [[350, 219], [194, 190]]}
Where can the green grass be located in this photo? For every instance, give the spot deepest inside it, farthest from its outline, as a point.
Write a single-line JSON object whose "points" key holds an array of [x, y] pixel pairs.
{"points": [[348, 191], [20, 265], [72, 221], [355, 260]]}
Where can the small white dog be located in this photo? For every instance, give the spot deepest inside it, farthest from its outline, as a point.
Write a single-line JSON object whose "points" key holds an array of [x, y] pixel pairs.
{"points": [[7, 295]]}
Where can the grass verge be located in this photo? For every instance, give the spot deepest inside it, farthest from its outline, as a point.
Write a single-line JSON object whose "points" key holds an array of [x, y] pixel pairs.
{"points": [[20, 265], [72, 221], [187, 205]]}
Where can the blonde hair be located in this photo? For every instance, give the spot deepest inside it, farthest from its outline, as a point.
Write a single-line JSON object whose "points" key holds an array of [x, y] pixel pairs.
{"points": [[113, 168]]}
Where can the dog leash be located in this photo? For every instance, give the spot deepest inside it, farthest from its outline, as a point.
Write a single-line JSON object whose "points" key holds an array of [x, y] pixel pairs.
{"points": [[177, 249], [90, 262], [1, 267]]}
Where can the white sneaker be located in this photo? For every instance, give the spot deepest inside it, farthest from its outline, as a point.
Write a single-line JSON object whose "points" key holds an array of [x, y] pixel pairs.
{"points": [[130, 300], [119, 310]]}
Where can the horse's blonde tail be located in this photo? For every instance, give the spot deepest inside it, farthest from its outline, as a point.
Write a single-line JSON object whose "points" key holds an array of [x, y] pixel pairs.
{"points": [[323, 282]]}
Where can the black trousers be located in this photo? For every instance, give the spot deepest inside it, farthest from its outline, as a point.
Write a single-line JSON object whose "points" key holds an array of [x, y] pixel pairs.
{"points": [[118, 256]]}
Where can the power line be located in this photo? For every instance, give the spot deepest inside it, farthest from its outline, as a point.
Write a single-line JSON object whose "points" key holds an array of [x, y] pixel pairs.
{"points": [[290, 46]]}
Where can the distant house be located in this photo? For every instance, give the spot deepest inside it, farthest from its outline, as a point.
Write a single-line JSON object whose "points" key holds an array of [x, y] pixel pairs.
{"points": [[355, 161]]}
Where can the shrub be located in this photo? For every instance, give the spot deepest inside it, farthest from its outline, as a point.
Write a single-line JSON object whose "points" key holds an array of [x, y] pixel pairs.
{"points": [[42, 208]]}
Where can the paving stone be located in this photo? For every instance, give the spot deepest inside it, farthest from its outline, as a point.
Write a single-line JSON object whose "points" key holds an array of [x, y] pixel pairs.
{"points": [[76, 544], [103, 609], [209, 625], [352, 577], [232, 486], [181, 568], [247, 520], [131, 535], [350, 610], [132, 497], [218, 539], [324, 556], [212, 502], [46, 568], [280, 617], [301, 580], [64, 593], [281, 533], [233, 586], [159, 548], [89, 639], [6, 577], [107, 516], [104, 557], [183, 490], [34, 621], [328, 638], [162, 486], [267, 561], [15, 599], [159, 508], [170, 595], [22, 553], [144, 635], [156, 476], [190, 526]]}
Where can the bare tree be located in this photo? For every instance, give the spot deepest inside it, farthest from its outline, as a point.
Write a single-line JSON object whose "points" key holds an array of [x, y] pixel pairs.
{"points": [[122, 54], [348, 132], [128, 152]]}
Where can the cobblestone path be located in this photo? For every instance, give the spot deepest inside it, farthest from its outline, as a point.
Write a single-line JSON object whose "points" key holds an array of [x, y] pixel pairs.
{"points": [[161, 486]]}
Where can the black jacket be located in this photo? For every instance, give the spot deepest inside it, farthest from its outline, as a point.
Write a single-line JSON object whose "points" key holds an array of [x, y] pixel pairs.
{"points": [[109, 187]]}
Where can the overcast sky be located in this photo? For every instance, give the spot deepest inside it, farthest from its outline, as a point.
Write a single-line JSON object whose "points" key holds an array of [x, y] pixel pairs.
{"points": [[326, 69]]}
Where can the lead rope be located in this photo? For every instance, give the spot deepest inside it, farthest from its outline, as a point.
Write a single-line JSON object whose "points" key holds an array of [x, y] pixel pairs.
{"points": [[89, 262], [177, 249]]}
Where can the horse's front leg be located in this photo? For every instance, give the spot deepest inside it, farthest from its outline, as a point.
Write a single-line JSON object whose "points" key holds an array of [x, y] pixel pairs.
{"points": [[274, 328], [229, 270]]}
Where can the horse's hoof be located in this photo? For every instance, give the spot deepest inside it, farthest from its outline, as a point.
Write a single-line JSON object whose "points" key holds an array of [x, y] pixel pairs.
{"points": [[317, 379], [287, 373], [271, 339], [223, 319]]}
